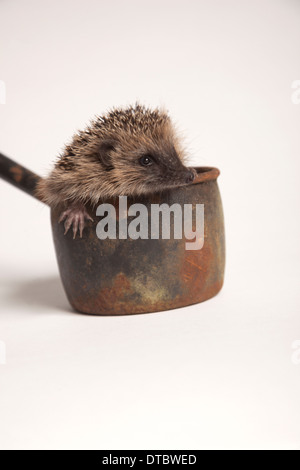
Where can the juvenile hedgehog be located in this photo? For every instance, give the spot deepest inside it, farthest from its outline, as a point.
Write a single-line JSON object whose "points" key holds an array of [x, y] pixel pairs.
{"points": [[131, 151]]}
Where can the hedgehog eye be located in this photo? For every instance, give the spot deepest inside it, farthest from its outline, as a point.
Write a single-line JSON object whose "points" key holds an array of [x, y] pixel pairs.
{"points": [[146, 160]]}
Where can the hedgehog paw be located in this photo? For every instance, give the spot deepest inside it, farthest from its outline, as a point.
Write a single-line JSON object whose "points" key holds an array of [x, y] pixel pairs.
{"points": [[75, 217]]}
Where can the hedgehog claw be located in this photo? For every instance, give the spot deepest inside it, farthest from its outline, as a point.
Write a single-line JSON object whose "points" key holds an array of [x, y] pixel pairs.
{"points": [[75, 216]]}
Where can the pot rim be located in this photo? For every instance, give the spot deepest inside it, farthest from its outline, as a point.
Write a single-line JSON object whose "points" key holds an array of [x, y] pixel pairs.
{"points": [[205, 173]]}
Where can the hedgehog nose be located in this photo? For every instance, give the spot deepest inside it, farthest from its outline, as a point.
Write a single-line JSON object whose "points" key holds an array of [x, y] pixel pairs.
{"points": [[190, 177]]}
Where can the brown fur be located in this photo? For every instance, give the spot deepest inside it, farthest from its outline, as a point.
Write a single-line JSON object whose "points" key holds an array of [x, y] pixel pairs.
{"points": [[103, 160]]}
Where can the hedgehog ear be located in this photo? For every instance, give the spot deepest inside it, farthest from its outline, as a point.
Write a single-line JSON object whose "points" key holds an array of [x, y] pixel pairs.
{"points": [[104, 152]]}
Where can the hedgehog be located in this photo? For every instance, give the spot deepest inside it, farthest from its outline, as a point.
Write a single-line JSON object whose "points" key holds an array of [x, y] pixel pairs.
{"points": [[130, 151]]}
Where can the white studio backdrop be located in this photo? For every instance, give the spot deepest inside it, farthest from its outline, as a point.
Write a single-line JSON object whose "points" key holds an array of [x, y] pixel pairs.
{"points": [[222, 374]]}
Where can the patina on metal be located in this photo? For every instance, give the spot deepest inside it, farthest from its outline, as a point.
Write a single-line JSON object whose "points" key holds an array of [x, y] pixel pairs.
{"points": [[118, 277]]}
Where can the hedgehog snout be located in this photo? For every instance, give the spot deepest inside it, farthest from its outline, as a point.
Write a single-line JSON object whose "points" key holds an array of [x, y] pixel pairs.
{"points": [[189, 176]]}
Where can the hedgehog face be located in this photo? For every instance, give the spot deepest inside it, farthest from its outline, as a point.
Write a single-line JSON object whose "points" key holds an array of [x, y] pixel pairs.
{"points": [[131, 151], [140, 165]]}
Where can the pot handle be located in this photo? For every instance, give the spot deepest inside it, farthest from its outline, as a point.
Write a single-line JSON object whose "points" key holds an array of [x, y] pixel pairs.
{"points": [[18, 176]]}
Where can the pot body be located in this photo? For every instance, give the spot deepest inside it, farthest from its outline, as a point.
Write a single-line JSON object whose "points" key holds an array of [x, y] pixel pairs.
{"points": [[126, 276]]}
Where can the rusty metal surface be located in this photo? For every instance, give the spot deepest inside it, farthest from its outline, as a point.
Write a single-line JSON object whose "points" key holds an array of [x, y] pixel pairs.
{"points": [[118, 277]]}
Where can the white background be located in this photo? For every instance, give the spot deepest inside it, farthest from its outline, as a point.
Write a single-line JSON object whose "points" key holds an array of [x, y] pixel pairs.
{"points": [[216, 375]]}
